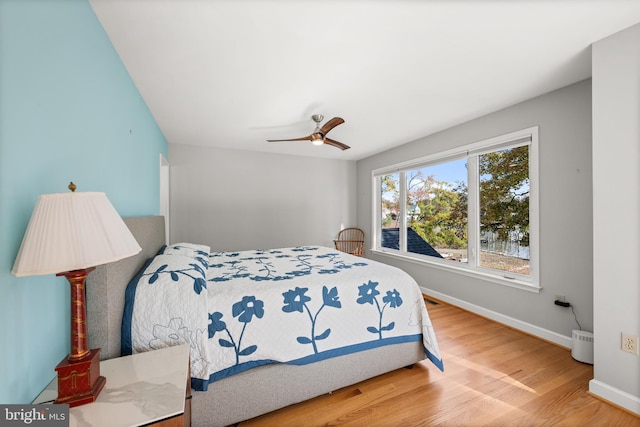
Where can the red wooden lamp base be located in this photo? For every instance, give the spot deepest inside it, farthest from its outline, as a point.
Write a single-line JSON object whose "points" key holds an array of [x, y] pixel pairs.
{"points": [[79, 379], [79, 382]]}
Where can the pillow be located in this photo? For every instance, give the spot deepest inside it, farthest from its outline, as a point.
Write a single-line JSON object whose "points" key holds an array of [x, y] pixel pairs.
{"points": [[168, 284], [192, 250], [166, 305]]}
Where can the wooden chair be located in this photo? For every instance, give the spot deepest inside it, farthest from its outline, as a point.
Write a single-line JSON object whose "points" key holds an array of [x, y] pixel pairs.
{"points": [[351, 241]]}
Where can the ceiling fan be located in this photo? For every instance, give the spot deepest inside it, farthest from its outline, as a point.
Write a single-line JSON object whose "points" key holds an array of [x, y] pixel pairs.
{"points": [[319, 135]]}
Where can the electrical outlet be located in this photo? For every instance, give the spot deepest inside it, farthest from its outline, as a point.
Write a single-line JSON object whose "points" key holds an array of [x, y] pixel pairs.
{"points": [[629, 343], [560, 298]]}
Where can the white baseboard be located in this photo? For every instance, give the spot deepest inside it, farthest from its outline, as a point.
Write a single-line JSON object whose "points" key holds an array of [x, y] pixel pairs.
{"points": [[534, 330], [615, 396]]}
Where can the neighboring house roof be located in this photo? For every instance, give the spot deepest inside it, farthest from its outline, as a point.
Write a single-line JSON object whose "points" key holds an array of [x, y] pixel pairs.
{"points": [[415, 243]]}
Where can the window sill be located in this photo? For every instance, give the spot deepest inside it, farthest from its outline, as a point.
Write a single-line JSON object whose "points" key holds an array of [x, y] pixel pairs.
{"points": [[513, 283]]}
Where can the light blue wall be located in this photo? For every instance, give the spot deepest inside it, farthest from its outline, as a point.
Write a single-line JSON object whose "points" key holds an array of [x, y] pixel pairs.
{"points": [[68, 111]]}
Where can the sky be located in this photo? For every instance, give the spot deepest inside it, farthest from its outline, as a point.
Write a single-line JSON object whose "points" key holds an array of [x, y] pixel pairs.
{"points": [[452, 171]]}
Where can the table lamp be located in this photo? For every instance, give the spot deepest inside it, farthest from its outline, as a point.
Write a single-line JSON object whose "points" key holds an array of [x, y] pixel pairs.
{"points": [[68, 235]]}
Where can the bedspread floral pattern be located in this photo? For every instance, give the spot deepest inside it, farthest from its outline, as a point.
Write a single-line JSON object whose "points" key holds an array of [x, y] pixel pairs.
{"points": [[368, 294], [244, 310], [164, 306], [290, 305], [260, 265], [198, 282], [296, 300]]}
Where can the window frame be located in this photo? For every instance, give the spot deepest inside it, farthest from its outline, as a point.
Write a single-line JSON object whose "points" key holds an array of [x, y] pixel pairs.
{"points": [[528, 136]]}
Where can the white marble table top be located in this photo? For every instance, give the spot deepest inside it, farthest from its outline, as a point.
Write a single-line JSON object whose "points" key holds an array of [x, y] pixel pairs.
{"points": [[140, 389]]}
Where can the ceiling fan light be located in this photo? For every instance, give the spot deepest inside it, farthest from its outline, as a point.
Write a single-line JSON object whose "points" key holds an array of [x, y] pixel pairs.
{"points": [[317, 141]]}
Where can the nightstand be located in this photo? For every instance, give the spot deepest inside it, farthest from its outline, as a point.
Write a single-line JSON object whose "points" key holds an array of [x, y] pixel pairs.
{"points": [[142, 389]]}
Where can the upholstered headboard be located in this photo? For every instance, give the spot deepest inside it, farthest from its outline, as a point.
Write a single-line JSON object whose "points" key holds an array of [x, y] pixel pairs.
{"points": [[106, 286]]}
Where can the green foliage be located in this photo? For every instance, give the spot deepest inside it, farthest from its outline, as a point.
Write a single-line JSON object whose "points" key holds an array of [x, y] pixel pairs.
{"points": [[390, 198], [442, 217], [437, 210], [504, 192]]}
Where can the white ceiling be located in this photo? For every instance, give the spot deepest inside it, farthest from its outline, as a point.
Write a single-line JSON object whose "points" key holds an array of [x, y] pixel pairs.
{"points": [[233, 73]]}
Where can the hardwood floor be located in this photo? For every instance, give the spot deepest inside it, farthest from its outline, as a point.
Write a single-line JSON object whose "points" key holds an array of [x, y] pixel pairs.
{"points": [[494, 376]]}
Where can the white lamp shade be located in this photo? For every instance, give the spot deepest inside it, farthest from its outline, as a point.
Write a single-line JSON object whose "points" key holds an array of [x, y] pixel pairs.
{"points": [[72, 231]]}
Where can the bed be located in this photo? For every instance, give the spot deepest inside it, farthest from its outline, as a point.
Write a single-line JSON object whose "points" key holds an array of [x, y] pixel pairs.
{"points": [[248, 365]]}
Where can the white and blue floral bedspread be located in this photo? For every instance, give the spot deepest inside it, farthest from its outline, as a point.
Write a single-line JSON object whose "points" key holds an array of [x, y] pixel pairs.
{"points": [[238, 310]]}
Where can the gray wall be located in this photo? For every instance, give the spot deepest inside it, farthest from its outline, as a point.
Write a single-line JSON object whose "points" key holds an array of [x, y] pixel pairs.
{"points": [[236, 200], [616, 209], [564, 120]]}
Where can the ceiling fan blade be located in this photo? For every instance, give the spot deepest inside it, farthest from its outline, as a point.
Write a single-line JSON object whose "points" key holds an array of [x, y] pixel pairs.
{"points": [[336, 144], [331, 124], [304, 138]]}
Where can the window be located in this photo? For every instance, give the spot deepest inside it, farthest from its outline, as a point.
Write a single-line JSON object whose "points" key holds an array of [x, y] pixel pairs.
{"points": [[471, 209]]}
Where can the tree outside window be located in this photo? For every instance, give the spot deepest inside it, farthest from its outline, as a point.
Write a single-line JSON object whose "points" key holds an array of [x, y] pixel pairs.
{"points": [[472, 208]]}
